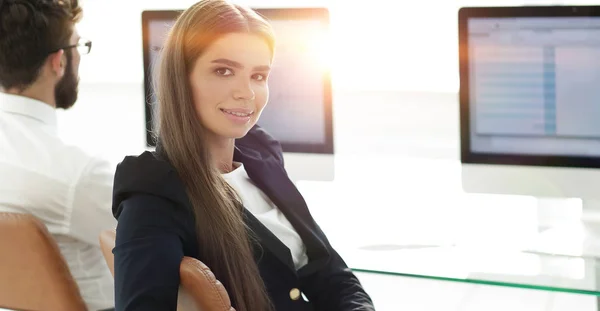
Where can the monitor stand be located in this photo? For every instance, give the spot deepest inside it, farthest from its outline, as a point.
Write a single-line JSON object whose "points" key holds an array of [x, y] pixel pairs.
{"points": [[590, 223], [569, 227]]}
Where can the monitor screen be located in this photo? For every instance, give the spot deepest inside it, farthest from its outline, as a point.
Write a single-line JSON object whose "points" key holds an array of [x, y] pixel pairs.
{"points": [[530, 86], [299, 110]]}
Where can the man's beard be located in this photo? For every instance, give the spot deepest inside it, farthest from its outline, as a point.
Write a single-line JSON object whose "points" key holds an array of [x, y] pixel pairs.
{"points": [[65, 92]]}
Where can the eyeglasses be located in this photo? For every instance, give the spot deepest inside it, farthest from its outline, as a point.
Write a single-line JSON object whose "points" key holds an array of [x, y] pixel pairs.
{"points": [[83, 46]]}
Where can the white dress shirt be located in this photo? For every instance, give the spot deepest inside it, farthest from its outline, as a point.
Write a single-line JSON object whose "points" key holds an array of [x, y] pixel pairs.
{"points": [[259, 204], [67, 189]]}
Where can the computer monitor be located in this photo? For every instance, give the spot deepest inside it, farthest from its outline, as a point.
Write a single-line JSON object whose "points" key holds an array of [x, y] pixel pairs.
{"points": [[299, 112], [530, 102]]}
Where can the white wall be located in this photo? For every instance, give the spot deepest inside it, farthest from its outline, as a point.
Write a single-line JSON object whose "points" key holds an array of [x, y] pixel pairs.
{"points": [[378, 44], [381, 48]]}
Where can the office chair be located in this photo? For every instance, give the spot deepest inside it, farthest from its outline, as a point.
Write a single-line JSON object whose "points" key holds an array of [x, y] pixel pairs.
{"points": [[33, 274], [199, 289]]}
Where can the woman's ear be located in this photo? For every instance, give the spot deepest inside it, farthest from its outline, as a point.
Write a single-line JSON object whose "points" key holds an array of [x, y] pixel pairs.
{"points": [[58, 63]]}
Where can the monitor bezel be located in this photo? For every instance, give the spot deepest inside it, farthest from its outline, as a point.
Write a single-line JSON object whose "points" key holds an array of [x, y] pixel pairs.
{"points": [[470, 157], [313, 13]]}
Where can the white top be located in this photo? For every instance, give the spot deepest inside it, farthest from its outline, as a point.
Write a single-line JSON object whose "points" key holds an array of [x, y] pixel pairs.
{"points": [[259, 204], [68, 190]]}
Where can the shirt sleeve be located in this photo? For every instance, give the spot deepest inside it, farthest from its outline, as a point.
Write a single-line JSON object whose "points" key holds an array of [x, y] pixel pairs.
{"points": [[91, 204]]}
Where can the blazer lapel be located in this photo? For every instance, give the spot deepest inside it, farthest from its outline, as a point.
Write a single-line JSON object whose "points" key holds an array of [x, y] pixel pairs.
{"points": [[268, 239], [272, 179]]}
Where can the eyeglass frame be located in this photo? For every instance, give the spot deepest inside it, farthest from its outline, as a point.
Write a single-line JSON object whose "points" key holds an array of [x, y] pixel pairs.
{"points": [[85, 42]]}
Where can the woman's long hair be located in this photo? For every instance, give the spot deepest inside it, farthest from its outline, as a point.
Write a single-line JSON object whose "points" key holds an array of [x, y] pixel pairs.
{"points": [[224, 240]]}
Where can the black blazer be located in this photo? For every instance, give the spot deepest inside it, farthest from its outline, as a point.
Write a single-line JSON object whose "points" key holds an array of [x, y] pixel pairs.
{"points": [[156, 229]]}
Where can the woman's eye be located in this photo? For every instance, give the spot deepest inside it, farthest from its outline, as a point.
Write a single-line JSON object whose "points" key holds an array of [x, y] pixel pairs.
{"points": [[224, 71], [259, 77]]}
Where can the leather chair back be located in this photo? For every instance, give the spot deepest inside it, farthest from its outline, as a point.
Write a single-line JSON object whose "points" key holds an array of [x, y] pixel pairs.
{"points": [[33, 274]]}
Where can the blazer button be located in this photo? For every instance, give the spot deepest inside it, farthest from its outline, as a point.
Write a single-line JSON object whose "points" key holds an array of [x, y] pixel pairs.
{"points": [[295, 294]]}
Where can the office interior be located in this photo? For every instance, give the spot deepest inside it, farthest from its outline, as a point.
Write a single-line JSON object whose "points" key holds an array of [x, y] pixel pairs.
{"points": [[435, 196]]}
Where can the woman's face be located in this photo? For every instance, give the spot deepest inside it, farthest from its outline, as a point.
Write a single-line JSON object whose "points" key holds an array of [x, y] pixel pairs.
{"points": [[229, 84]]}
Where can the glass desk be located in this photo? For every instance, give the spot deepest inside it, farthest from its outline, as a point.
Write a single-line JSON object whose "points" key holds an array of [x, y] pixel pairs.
{"points": [[411, 218], [480, 266]]}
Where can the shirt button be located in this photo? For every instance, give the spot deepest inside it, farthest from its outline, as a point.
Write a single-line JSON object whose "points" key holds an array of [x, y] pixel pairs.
{"points": [[295, 294]]}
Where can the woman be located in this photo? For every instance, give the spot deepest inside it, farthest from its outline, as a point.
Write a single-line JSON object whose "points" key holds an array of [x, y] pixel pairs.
{"points": [[215, 189]]}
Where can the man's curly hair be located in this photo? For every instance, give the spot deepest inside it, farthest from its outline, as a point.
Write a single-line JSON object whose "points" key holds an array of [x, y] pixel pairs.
{"points": [[29, 31]]}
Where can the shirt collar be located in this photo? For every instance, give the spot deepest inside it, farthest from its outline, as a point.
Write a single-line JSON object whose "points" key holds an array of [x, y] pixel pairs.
{"points": [[28, 107]]}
